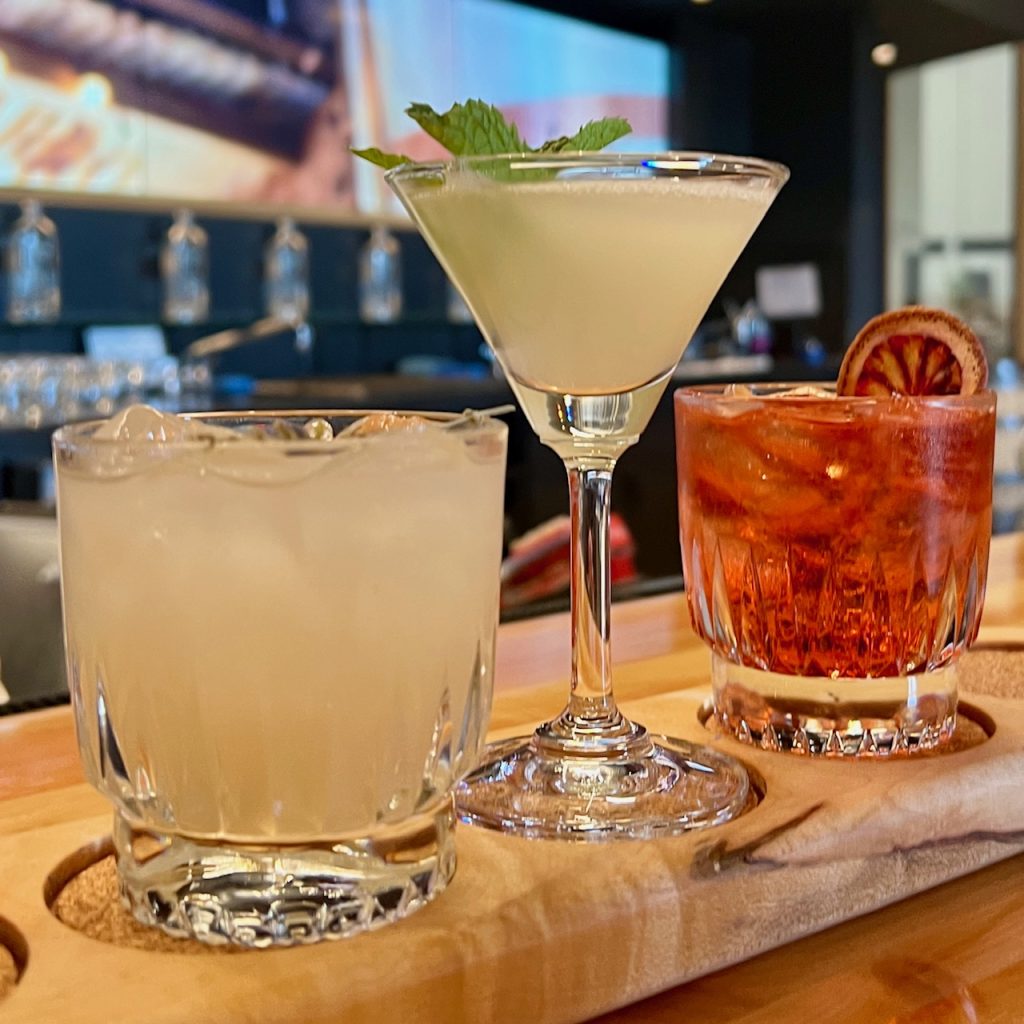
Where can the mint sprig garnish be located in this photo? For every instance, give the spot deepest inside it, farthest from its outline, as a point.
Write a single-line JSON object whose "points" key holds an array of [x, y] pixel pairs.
{"points": [[475, 128], [592, 136], [382, 159]]}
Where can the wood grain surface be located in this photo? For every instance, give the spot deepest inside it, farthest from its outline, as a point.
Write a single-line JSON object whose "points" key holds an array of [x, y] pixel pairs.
{"points": [[555, 932]]}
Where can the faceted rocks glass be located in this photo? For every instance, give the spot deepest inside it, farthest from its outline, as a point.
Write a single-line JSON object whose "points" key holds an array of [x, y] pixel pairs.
{"points": [[280, 654], [835, 552]]}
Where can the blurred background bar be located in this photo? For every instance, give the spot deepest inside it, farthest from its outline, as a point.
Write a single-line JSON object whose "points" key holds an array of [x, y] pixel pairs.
{"points": [[176, 171]]}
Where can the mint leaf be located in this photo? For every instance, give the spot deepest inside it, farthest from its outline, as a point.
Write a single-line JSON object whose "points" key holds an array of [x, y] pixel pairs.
{"points": [[380, 158], [473, 128], [592, 136]]}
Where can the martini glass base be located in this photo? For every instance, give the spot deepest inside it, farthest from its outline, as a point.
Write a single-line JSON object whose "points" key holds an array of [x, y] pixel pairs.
{"points": [[658, 787]]}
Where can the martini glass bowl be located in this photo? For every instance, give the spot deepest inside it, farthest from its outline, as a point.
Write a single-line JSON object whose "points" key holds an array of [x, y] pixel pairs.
{"points": [[588, 274]]}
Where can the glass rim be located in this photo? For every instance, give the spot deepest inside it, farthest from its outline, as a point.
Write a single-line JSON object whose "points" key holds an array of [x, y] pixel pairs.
{"points": [[693, 162], [715, 393], [78, 434]]}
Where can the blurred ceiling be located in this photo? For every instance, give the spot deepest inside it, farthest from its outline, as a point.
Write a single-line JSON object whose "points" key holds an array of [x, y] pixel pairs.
{"points": [[922, 29]]}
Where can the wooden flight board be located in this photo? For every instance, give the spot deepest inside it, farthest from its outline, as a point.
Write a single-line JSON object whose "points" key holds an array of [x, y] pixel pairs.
{"points": [[549, 932]]}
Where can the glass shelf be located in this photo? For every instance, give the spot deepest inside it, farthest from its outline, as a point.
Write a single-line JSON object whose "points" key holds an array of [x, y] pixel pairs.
{"points": [[219, 323]]}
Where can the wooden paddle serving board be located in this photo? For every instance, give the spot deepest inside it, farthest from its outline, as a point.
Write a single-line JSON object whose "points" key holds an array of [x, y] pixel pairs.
{"points": [[554, 932]]}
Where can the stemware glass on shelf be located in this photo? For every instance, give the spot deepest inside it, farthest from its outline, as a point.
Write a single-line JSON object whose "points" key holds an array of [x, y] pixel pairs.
{"points": [[588, 274]]}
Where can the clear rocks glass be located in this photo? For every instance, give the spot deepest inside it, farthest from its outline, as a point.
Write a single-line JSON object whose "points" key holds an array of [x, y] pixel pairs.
{"points": [[280, 639]]}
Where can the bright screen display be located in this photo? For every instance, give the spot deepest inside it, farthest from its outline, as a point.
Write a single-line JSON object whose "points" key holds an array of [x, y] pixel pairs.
{"points": [[259, 100]]}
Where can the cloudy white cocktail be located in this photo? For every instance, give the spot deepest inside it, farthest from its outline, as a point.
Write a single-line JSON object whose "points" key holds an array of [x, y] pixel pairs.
{"points": [[280, 642]]}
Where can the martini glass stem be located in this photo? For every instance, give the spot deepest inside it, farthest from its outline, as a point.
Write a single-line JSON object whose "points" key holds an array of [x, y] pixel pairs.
{"points": [[591, 721], [590, 491]]}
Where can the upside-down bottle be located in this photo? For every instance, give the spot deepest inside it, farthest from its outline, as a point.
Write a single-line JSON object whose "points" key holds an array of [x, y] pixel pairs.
{"points": [[286, 273], [185, 271], [32, 267], [380, 278]]}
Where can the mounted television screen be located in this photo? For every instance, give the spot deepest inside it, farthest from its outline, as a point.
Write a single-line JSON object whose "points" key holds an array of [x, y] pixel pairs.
{"points": [[258, 101]]}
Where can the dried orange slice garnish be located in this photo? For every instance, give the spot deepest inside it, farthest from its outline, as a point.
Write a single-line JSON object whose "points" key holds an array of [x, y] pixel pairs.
{"points": [[914, 351]]}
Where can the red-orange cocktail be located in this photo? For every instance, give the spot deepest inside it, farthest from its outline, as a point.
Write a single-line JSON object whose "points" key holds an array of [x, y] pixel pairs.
{"points": [[835, 552]]}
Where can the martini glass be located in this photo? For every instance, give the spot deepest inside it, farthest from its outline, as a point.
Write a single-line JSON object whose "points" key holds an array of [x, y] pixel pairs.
{"points": [[588, 274]]}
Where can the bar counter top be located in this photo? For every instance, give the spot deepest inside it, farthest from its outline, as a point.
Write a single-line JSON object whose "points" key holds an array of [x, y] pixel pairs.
{"points": [[951, 955]]}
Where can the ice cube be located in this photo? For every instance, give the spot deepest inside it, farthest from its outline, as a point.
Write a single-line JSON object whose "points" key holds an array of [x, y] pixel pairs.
{"points": [[143, 423], [318, 429], [268, 464], [804, 391], [315, 429], [387, 423], [271, 430]]}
